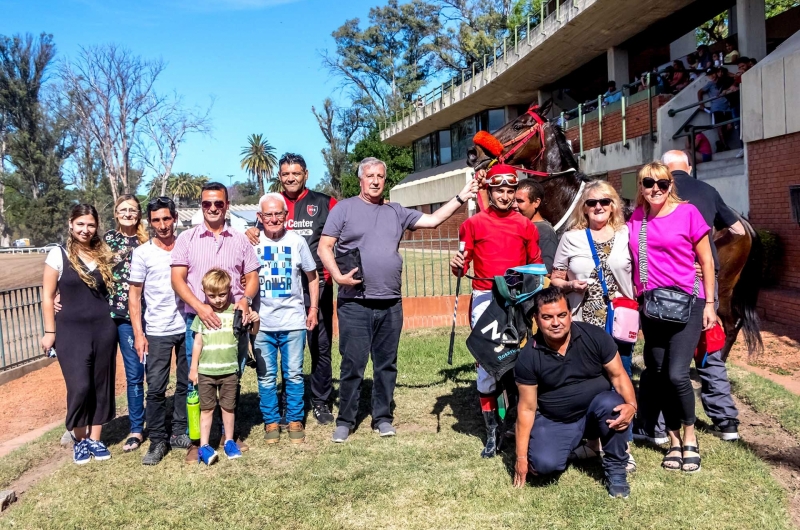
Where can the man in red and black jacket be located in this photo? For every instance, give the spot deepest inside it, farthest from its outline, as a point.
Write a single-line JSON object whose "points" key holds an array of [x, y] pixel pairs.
{"points": [[308, 211]]}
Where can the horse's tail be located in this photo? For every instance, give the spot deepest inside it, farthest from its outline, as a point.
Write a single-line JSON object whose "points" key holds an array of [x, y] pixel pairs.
{"points": [[745, 294]]}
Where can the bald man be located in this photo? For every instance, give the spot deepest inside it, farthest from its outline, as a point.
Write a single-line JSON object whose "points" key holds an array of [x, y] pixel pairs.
{"points": [[716, 390]]}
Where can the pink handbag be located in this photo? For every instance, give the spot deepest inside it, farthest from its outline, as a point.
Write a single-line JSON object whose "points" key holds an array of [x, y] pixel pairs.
{"points": [[626, 319]]}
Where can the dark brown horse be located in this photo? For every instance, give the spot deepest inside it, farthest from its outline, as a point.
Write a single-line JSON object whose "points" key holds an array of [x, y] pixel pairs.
{"points": [[739, 256]]}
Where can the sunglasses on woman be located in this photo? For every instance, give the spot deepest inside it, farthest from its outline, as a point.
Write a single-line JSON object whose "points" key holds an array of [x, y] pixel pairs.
{"points": [[503, 180], [663, 184], [591, 203], [217, 204]]}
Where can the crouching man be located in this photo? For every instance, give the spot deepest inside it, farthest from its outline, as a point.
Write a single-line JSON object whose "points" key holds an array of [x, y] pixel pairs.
{"points": [[565, 377]]}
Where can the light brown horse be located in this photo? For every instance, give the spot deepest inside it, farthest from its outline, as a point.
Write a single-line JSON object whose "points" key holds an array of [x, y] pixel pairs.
{"points": [[740, 257]]}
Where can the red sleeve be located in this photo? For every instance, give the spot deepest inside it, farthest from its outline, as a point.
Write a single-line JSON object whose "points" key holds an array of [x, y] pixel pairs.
{"points": [[331, 204], [466, 234], [532, 243]]}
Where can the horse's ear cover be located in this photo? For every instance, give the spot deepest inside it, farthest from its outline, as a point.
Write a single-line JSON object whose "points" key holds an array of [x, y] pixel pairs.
{"points": [[491, 144]]}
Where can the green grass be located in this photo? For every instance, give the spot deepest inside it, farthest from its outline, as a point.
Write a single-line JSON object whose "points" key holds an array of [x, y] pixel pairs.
{"points": [[428, 274], [430, 476], [17, 462], [767, 397]]}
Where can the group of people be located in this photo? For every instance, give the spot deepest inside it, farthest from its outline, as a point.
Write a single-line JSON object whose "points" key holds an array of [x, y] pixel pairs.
{"points": [[572, 377], [220, 300]]}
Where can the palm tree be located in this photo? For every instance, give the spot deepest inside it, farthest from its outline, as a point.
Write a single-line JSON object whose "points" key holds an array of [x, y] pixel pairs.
{"points": [[259, 160]]}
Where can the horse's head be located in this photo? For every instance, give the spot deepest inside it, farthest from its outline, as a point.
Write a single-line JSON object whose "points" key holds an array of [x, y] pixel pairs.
{"points": [[479, 157]]}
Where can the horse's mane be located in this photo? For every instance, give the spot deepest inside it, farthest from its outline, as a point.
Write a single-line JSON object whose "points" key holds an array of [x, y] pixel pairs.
{"points": [[566, 151]]}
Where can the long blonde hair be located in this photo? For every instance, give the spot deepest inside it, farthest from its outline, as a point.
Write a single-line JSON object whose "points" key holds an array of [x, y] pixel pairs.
{"points": [[97, 251], [578, 220], [658, 171], [141, 230]]}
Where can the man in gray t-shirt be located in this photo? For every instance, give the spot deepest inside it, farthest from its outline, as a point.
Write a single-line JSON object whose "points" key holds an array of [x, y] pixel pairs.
{"points": [[371, 315]]}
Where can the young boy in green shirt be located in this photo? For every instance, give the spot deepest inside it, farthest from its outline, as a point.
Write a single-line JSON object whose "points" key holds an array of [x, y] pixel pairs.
{"points": [[215, 364]]}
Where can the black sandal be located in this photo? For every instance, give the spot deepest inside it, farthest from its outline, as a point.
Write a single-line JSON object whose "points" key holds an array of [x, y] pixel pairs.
{"points": [[134, 443], [691, 460], [669, 459]]}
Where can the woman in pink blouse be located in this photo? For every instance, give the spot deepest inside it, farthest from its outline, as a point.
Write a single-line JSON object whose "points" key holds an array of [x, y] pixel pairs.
{"points": [[676, 237]]}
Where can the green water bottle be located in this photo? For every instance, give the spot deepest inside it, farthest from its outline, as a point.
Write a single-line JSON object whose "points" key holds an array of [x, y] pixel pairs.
{"points": [[193, 413]]}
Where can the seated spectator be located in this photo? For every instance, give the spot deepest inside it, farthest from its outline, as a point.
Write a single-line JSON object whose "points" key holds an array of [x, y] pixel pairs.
{"points": [[612, 95], [731, 53], [743, 65], [716, 59], [694, 63], [680, 77], [752, 62], [702, 148], [704, 57], [562, 402], [720, 107]]}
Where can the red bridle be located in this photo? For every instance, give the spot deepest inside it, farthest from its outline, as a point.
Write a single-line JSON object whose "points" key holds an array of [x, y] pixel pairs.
{"points": [[521, 139]]}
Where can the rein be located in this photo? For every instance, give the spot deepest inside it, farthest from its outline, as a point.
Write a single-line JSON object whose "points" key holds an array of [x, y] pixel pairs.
{"points": [[521, 139]]}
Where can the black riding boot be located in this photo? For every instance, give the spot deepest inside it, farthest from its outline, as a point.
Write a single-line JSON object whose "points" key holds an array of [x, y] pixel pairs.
{"points": [[493, 434]]}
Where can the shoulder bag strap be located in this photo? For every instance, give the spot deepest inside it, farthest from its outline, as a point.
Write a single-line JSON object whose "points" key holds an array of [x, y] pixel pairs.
{"points": [[643, 253], [600, 276]]}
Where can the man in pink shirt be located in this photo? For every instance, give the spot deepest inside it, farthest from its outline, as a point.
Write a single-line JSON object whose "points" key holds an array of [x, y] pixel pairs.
{"points": [[213, 244]]}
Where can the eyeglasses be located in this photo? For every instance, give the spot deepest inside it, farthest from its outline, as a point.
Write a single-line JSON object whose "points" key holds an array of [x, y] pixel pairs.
{"points": [[663, 184], [217, 204], [160, 201], [591, 203], [279, 215], [500, 180]]}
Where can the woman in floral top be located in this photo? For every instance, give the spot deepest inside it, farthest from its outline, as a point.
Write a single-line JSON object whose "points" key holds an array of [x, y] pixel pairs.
{"points": [[130, 233], [574, 271]]}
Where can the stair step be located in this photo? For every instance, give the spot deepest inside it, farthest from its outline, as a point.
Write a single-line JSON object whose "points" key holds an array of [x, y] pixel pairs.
{"points": [[719, 164], [720, 173]]}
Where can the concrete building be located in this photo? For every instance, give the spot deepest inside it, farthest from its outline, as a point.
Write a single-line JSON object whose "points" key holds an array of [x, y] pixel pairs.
{"points": [[569, 58]]}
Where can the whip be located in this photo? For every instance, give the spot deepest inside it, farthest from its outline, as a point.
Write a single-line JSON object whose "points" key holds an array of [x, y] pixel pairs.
{"points": [[461, 246]]}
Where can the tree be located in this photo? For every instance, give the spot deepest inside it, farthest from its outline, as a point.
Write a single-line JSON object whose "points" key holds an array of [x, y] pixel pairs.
{"points": [[259, 160], [112, 91], [165, 130], [338, 126], [36, 142], [399, 163], [391, 59], [184, 188]]}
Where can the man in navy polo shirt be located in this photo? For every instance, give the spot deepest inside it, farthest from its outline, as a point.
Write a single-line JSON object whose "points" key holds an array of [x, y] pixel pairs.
{"points": [[572, 386]]}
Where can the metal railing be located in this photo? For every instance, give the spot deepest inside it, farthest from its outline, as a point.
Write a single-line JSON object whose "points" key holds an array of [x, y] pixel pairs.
{"points": [[521, 34], [24, 250], [598, 105], [21, 326], [426, 263]]}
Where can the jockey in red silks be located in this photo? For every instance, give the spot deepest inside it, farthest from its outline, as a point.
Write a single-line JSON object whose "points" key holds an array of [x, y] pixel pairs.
{"points": [[496, 239]]}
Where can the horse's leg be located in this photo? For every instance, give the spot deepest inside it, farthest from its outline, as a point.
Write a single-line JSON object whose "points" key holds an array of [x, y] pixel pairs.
{"points": [[732, 251]]}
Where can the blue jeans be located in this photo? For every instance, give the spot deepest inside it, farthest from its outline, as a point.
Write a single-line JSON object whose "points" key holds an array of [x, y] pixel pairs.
{"points": [[290, 344], [134, 375], [625, 350]]}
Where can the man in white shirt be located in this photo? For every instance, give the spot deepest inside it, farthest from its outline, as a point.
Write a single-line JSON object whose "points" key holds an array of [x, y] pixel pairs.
{"points": [[283, 255], [160, 332]]}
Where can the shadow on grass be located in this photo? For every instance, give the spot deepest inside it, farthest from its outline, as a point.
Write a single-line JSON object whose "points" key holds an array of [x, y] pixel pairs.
{"points": [[454, 374]]}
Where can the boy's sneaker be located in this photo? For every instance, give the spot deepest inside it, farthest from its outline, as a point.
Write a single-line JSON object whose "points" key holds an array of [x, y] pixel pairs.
{"points": [[297, 433], [617, 486], [232, 450], [322, 413], [180, 441], [80, 452], [727, 430], [272, 433], [341, 434], [98, 449], [155, 453], [207, 455], [385, 429], [657, 438]]}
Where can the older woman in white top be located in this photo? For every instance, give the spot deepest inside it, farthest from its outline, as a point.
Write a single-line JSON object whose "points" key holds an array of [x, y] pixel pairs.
{"points": [[574, 271]]}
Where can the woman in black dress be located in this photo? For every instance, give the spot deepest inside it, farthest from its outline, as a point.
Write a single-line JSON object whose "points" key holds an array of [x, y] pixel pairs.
{"points": [[84, 334]]}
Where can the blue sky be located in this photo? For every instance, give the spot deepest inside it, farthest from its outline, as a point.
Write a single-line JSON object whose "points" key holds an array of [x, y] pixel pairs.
{"points": [[259, 59]]}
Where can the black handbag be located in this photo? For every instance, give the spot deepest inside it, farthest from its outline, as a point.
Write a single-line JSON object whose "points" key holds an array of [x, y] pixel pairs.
{"points": [[666, 304], [349, 260]]}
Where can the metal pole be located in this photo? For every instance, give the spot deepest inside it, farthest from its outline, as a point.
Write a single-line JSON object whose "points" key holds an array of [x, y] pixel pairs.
{"points": [[484, 62], [650, 107], [2, 344], [600, 123], [558, 11], [505, 55], [561, 121], [516, 43], [541, 17], [580, 128], [624, 121], [528, 31]]}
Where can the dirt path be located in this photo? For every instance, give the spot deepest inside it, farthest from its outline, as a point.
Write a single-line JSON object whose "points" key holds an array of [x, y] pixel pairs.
{"points": [[21, 270], [765, 437], [37, 399]]}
